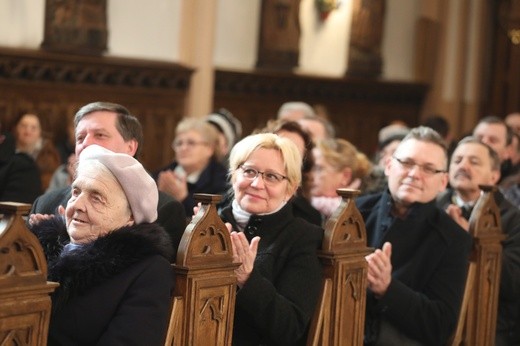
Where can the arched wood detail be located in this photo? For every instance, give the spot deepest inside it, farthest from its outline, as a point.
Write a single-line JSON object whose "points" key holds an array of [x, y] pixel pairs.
{"points": [[340, 316], [477, 320], [205, 283], [25, 303]]}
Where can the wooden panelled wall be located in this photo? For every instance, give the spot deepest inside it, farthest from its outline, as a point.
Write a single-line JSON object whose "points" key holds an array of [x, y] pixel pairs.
{"points": [[56, 85], [357, 107]]}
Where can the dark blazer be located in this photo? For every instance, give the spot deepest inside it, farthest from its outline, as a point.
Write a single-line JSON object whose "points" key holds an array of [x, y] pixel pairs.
{"points": [[19, 174], [213, 179], [170, 212], [508, 322], [277, 302], [115, 290], [429, 266]]}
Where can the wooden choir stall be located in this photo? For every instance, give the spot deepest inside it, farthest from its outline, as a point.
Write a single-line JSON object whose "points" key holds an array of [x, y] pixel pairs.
{"points": [[25, 304]]}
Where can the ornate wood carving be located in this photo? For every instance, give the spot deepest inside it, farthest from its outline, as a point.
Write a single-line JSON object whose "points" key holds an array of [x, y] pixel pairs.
{"points": [[477, 321], [341, 313], [76, 26], [279, 43], [55, 86], [205, 286], [25, 303], [364, 57]]}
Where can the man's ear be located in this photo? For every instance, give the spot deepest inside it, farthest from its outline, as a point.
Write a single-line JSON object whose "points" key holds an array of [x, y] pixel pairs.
{"points": [[132, 146], [495, 177]]}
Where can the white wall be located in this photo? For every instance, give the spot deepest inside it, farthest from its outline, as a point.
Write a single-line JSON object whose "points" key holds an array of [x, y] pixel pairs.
{"points": [[398, 41], [152, 32]]}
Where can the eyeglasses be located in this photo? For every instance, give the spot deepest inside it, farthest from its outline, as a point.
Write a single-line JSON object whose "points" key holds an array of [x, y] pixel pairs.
{"points": [[270, 178], [189, 143], [426, 169]]}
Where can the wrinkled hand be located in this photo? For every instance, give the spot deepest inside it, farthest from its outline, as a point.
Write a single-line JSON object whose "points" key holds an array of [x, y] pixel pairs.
{"points": [[380, 270], [244, 253], [455, 212], [35, 219], [173, 184]]}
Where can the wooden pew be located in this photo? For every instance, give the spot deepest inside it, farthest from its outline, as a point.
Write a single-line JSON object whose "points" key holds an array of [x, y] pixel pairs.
{"points": [[205, 284], [478, 315], [205, 288], [340, 316], [25, 304]]}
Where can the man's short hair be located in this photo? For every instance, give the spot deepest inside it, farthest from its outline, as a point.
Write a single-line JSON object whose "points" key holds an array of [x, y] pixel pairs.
{"points": [[492, 119], [296, 106], [495, 159], [127, 124], [429, 135]]}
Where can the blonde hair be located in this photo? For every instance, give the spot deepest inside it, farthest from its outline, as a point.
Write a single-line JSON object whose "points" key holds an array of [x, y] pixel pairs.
{"points": [[290, 155], [208, 131], [341, 154]]}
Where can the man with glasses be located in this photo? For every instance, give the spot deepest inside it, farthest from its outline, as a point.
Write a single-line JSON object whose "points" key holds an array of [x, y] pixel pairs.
{"points": [[417, 273]]}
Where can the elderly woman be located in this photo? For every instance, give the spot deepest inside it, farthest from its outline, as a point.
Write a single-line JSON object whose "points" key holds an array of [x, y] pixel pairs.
{"points": [[196, 167], [279, 279], [109, 257]]}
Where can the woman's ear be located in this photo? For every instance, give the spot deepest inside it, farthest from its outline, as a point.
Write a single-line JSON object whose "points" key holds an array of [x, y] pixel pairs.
{"points": [[347, 176]]}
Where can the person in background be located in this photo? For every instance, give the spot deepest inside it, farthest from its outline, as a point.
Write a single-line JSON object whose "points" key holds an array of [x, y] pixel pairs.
{"points": [[110, 259], [113, 127], [474, 163], [442, 126], [417, 273], [338, 164], [513, 121], [302, 199], [229, 132], [494, 132], [19, 175], [30, 140], [63, 175], [196, 167], [279, 279], [318, 128], [295, 110]]}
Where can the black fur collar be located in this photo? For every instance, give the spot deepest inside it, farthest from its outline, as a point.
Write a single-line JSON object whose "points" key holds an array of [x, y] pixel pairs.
{"points": [[91, 264]]}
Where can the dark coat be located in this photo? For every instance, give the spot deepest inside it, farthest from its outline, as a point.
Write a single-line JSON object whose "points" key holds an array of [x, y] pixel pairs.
{"points": [[19, 174], [170, 212], [115, 290], [429, 265], [213, 179], [508, 322], [277, 302]]}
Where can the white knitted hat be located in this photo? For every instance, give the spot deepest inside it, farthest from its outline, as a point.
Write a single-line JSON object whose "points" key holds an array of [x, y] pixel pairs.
{"points": [[139, 187]]}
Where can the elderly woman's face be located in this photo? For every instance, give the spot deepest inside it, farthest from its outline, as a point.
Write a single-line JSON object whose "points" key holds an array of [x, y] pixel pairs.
{"points": [[258, 195], [192, 151], [98, 205]]}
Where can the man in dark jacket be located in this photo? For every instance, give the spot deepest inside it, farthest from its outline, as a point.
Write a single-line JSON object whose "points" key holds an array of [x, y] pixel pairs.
{"points": [[474, 163], [113, 127], [417, 273]]}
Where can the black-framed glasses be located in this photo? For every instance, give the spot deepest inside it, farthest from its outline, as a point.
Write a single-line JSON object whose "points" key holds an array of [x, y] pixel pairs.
{"points": [[270, 178], [426, 169]]}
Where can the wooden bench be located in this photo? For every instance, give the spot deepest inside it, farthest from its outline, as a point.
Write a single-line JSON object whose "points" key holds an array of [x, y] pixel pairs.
{"points": [[205, 283], [25, 304], [478, 315], [205, 288]]}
